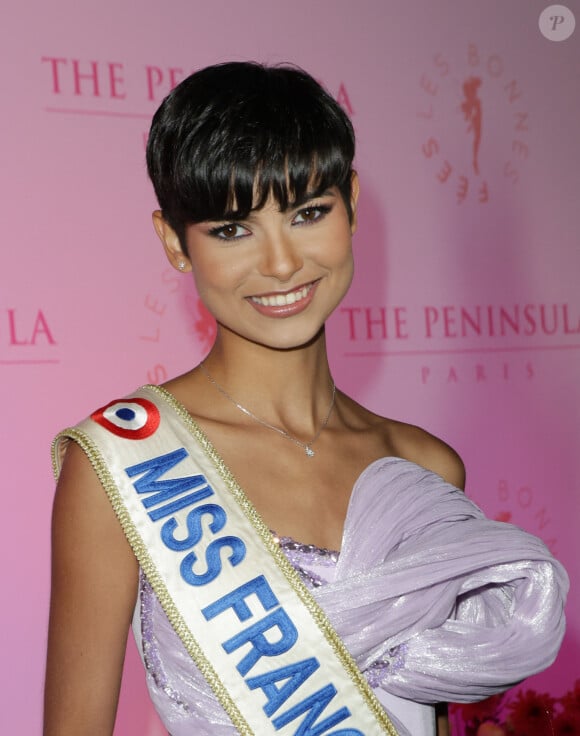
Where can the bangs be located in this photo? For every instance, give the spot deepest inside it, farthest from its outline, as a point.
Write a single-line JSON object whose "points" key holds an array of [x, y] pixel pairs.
{"points": [[232, 193], [231, 136]]}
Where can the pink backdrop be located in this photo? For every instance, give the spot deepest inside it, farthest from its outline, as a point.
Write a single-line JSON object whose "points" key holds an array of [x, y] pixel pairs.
{"points": [[465, 313]]}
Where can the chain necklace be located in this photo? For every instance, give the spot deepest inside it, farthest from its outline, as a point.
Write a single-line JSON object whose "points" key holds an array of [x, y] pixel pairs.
{"points": [[306, 446]]}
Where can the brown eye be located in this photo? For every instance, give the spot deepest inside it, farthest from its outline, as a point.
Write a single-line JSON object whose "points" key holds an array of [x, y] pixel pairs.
{"points": [[230, 231], [308, 215]]}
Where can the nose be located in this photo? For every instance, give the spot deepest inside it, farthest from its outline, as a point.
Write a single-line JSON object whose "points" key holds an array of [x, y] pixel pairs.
{"points": [[280, 256]]}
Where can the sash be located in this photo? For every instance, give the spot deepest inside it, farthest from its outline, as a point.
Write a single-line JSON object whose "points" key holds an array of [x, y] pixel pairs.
{"points": [[253, 629]]}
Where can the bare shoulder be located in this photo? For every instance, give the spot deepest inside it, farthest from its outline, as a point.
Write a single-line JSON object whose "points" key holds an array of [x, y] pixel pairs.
{"points": [[419, 446], [384, 436]]}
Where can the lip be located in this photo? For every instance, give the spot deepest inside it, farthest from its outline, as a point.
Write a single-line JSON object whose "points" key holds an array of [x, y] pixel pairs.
{"points": [[285, 309]]}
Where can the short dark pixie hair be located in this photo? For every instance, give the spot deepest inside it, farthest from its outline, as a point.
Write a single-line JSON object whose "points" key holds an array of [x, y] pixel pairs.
{"points": [[232, 134]]}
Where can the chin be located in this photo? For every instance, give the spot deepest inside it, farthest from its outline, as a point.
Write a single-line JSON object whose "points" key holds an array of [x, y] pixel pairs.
{"points": [[293, 343], [284, 338]]}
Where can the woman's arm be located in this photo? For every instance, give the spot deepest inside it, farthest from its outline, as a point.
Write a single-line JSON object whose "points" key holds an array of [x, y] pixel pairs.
{"points": [[94, 588]]}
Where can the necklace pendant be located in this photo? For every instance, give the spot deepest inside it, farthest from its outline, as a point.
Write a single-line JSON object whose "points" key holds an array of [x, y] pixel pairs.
{"points": [[307, 448]]}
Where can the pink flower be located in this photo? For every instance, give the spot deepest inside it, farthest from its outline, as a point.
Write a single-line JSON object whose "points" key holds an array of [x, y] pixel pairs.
{"points": [[570, 702], [531, 714], [567, 724]]}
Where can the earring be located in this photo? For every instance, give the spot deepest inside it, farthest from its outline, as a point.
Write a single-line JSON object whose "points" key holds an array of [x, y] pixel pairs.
{"points": [[181, 265]]}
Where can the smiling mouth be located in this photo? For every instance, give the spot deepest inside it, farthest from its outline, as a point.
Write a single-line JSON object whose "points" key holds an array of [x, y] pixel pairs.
{"points": [[286, 299]]}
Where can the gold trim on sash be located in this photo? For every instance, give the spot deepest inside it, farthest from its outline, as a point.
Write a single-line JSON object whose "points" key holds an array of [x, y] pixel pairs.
{"points": [[175, 618]]}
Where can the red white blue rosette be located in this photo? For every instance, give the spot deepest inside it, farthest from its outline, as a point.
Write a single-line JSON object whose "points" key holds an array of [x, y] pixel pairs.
{"points": [[132, 419]]}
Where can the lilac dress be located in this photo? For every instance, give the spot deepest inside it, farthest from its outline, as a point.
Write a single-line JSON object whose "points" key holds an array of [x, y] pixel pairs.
{"points": [[434, 601]]}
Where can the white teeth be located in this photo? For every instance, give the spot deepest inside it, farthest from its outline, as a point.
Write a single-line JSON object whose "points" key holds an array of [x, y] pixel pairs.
{"points": [[282, 300]]}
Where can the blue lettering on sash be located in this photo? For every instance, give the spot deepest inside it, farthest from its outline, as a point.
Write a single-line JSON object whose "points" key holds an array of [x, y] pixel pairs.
{"points": [[254, 634], [236, 599], [213, 559], [293, 674], [163, 490], [180, 503], [167, 496], [261, 647], [193, 523], [162, 499], [315, 704]]}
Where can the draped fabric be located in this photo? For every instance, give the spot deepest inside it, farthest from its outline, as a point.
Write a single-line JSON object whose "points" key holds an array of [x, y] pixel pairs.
{"points": [[434, 601], [478, 603]]}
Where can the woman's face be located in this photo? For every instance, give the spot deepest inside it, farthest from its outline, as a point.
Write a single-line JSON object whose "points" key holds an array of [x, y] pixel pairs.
{"points": [[274, 277]]}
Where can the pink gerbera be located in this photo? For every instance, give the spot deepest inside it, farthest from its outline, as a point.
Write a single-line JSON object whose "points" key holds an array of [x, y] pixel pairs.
{"points": [[531, 714]]}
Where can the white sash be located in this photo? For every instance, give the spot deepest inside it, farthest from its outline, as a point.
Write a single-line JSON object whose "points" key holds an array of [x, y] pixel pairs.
{"points": [[255, 632]]}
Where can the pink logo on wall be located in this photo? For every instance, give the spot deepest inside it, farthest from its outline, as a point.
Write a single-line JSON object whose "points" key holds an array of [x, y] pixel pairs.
{"points": [[171, 305], [461, 103]]}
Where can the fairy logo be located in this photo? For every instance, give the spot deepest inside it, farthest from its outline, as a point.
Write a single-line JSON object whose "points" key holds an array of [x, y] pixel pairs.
{"points": [[471, 108], [475, 124]]}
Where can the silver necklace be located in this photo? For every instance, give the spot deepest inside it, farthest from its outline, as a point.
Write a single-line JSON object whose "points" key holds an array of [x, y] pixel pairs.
{"points": [[306, 446]]}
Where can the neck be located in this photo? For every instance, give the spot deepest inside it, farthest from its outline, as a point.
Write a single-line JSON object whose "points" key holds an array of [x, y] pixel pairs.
{"points": [[287, 387]]}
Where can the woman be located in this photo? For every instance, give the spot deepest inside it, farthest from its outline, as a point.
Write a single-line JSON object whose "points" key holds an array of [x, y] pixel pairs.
{"points": [[252, 167]]}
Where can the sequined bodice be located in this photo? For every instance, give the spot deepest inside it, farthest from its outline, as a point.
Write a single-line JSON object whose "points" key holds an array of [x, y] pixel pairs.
{"points": [[315, 565]]}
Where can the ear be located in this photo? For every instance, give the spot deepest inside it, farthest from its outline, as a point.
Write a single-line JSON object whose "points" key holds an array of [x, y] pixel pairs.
{"points": [[170, 241], [354, 192]]}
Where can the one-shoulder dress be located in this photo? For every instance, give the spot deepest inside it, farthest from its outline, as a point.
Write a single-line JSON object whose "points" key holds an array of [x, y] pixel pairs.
{"points": [[434, 601]]}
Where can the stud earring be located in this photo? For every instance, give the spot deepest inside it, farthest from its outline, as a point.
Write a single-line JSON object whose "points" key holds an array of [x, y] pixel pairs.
{"points": [[181, 265]]}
